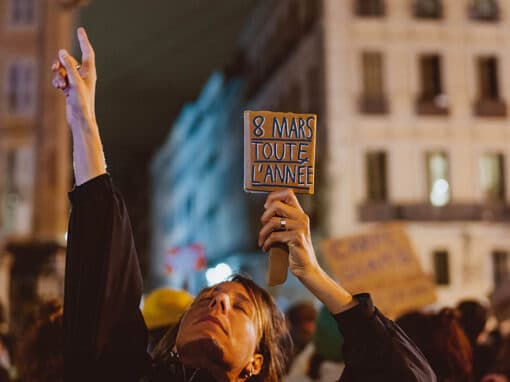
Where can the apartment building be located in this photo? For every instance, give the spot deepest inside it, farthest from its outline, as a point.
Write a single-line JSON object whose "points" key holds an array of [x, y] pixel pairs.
{"points": [[34, 150], [412, 102]]}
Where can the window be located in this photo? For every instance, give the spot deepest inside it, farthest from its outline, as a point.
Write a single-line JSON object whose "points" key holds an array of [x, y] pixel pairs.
{"points": [[428, 9], [488, 78], [430, 71], [22, 12], [372, 98], [489, 102], [500, 266], [441, 267], [492, 177], [376, 176], [21, 88], [484, 10], [438, 184], [370, 7], [11, 197], [431, 99]]}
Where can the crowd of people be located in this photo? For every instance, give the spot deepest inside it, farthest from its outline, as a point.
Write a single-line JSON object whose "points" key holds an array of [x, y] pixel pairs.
{"points": [[232, 331], [461, 344]]}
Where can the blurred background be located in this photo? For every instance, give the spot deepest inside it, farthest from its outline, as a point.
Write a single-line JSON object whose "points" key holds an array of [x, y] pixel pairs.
{"points": [[413, 126]]}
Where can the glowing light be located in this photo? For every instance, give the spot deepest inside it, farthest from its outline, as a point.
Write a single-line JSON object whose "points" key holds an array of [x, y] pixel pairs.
{"points": [[65, 236], [440, 194], [218, 274]]}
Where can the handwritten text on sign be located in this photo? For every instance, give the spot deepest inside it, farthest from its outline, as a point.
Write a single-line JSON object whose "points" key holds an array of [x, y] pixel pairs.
{"points": [[279, 151], [382, 262]]}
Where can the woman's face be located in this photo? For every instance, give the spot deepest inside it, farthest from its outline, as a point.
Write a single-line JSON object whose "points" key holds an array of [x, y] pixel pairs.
{"points": [[220, 329]]}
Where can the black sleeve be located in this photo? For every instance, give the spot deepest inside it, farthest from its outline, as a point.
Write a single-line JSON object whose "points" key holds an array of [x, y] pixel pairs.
{"points": [[376, 349], [105, 335]]}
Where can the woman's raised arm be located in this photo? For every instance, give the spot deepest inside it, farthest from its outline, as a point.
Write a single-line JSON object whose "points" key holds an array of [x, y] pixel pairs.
{"points": [[78, 82]]}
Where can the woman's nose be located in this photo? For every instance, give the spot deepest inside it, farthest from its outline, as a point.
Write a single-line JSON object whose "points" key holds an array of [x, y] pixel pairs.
{"points": [[220, 301]]}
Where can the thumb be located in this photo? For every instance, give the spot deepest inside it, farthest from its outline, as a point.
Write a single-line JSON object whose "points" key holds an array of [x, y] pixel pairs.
{"points": [[70, 64]]}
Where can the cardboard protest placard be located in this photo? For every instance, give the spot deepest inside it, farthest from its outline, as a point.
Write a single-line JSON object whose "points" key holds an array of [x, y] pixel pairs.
{"points": [[382, 262], [279, 152]]}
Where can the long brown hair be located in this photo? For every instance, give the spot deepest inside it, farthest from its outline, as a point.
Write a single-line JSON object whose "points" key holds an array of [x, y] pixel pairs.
{"points": [[275, 343], [443, 342]]}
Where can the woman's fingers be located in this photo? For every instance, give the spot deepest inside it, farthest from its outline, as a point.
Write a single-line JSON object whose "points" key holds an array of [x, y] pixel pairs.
{"points": [[275, 224], [55, 66], [292, 238], [278, 208], [286, 196], [59, 82], [87, 51], [70, 64]]}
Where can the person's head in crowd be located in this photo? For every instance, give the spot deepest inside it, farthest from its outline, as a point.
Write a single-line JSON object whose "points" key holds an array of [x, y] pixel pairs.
{"points": [[162, 309], [233, 329], [327, 341], [443, 342], [41, 357], [301, 319], [473, 317], [502, 360]]}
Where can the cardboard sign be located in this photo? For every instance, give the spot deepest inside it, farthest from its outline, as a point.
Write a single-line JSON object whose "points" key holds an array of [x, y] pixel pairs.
{"points": [[383, 263], [279, 151]]}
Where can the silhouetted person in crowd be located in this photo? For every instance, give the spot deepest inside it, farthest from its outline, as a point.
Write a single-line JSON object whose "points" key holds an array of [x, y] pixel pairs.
{"points": [[443, 342], [301, 321], [41, 356], [473, 318], [322, 359]]}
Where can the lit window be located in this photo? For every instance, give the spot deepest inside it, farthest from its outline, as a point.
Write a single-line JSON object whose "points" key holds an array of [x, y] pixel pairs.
{"points": [[439, 187], [492, 177], [376, 176], [15, 203], [500, 267], [441, 267], [22, 12], [21, 88]]}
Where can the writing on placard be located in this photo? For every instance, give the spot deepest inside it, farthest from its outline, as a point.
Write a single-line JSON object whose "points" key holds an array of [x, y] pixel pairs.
{"points": [[279, 151]]}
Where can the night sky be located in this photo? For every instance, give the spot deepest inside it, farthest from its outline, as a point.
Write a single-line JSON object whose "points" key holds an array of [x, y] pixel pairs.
{"points": [[152, 57]]}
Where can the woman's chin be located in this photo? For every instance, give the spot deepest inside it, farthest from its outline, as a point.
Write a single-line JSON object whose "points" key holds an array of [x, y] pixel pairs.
{"points": [[201, 353]]}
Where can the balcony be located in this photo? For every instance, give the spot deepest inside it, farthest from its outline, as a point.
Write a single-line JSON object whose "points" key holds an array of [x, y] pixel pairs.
{"points": [[490, 108], [437, 105], [425, 212]]}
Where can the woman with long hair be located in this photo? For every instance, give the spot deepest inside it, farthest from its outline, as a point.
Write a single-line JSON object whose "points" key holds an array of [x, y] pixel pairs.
{"points": [[233, 331]]}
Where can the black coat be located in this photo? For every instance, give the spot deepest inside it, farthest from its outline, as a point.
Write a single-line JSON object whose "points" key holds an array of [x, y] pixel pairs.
{"points": [[106, 337]]}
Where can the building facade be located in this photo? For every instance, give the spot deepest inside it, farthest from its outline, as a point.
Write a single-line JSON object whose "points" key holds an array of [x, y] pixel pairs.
{"points": [[34, 149], [412, 103], [413, 124], [197, 186], [418, 131]]}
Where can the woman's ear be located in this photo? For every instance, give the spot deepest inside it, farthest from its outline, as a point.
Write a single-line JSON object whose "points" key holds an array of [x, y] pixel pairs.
{"points": [[255, 366]]}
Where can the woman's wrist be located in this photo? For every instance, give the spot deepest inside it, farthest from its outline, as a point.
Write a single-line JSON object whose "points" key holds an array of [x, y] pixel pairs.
{"points": [[329, 292], [89, 161]]}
